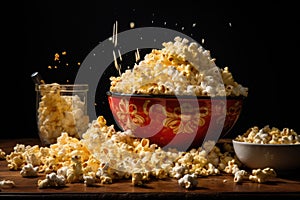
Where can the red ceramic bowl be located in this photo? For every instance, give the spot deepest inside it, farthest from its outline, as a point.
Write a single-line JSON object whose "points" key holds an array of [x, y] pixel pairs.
{"points": [[181, 122]]}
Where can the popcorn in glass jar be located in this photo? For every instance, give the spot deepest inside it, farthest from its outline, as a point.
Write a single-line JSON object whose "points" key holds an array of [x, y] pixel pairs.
{"points": [[61, 108]]}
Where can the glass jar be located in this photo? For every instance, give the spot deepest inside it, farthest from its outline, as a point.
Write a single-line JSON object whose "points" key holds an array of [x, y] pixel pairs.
{"points": [[61, 108]]}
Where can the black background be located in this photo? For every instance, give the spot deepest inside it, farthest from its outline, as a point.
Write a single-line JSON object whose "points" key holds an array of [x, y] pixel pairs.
{"points": [[261, 49]]}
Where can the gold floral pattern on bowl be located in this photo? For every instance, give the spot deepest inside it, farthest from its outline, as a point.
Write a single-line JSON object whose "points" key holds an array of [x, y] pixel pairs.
{"points": [[161, 118]]}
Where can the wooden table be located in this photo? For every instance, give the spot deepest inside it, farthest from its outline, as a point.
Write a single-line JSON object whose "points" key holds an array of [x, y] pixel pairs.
{"points": [[212, 187]]}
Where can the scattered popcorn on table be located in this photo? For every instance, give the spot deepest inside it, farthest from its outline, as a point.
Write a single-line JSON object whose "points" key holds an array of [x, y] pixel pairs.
{"points": [[104, 155], [105, 179], [74, 172], [29, 171], [262, 175], [188, 181], [240, 175], [139, 178], [178, 171], [15, 160], [62, 171], [5, 184], [89, 180], [103, 174], [52, 180], [232, 167], [122, 154], [19, 148]]}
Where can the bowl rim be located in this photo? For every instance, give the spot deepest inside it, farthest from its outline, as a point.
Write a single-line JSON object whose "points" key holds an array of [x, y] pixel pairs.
{"points": [[266, 145], [119, 94]]}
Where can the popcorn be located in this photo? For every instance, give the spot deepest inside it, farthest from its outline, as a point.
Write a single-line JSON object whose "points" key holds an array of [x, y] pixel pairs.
{"points": [[232, 167], [89, 180], [122, 155], [240, 175], [225, 158], [178, 171], [59, 113], [19, 148], [74, 172], [188, 181], [212, 170], [52, 180], [139, 178], [7, 184], [106, 179], [262, 175], [180, 68], [159, 173], [104, 155], [267, 135], [29, 171], [62, 171], [15, 160]]}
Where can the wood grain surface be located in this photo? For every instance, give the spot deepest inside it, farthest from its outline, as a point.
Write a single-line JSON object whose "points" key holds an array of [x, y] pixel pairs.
{"points": [[285, 186]]}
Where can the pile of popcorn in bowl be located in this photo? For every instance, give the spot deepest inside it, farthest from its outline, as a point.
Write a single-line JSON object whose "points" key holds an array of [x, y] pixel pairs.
{"points": [[176, 95], [179, 68], [268, 147]]}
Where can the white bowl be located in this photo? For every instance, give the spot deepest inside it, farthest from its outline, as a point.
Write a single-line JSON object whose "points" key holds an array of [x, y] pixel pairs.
{"points": [[280, 157]]}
